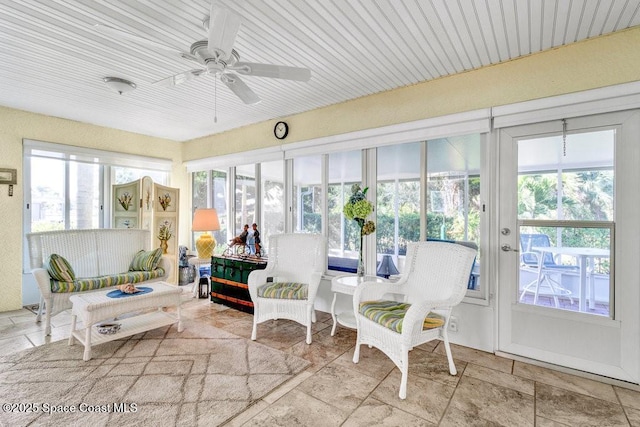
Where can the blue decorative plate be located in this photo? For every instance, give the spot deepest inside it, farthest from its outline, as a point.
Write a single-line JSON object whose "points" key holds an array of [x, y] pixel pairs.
{"points": [[119, 294]]}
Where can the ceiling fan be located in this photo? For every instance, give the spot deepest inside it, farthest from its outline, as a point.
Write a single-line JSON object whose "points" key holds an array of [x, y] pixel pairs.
{"points": [[216, 56]]}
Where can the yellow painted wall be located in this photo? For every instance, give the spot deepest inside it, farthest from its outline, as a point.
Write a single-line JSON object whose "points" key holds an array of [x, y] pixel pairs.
{"points": [[16, 125], [590, 64]]}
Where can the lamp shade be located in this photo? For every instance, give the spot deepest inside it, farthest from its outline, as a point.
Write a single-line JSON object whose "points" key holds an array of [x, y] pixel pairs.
{"points": [[205, 220], [387, 267]]}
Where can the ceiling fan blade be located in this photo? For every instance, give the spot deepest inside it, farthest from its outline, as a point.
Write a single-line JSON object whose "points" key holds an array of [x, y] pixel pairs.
{"points": [[237, 86], [273, 71], [180, 78], [223, 28], [125, 35]]}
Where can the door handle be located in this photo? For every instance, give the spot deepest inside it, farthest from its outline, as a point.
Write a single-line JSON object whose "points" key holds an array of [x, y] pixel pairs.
{"points": [[508, 248]]}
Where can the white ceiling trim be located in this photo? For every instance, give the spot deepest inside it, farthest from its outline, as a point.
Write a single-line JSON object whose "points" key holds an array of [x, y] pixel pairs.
{"points": [[477, 121], [33, 148], [596, 101], [268, 154]]}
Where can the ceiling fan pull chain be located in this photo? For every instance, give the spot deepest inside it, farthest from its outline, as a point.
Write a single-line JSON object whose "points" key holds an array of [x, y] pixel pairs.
{"points": [[215, 101], [564, 137]]}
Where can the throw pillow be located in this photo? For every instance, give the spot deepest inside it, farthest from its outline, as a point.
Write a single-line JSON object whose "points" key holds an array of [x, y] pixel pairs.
{"points": [[146, 260], [59, 269]]}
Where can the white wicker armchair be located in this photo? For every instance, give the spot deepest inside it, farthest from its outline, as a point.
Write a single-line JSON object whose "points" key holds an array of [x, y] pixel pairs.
{"points": [[287, 287], [434, 280]]}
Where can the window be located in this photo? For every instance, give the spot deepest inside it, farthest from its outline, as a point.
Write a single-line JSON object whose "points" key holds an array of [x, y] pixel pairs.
{"points": [[420, 189], [398, 200], [245, 197], [307, 194], [345, 169], [210, 190], [566, 214], [68, 187], [272, 207], [453, 194]]}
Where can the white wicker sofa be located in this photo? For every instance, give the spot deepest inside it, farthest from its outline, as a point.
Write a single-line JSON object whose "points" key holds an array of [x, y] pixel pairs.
{"points": [[100, 259]]}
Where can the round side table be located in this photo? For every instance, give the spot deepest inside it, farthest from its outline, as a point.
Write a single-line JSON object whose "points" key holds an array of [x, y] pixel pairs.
{"points": [[346, 285]]}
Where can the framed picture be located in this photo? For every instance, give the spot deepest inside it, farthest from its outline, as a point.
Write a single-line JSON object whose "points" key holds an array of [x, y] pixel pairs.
{"points": [[8, 176], [126, 222]]}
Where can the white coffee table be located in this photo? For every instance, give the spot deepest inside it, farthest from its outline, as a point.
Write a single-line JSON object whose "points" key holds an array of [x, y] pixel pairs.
{"points": [[347, 285], [96, 307]]}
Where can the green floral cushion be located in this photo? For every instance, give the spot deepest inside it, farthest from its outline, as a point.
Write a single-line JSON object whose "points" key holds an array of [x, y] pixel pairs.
{"points": [[60, 269], [146, 260], [283, 290], [390, 314]]}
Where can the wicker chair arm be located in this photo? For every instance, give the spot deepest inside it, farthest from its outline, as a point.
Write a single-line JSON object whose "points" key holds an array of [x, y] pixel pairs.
{"points": [[255, 279], [414, 318], [369, 291], [43, 280], [167, 265], [314, 284]]}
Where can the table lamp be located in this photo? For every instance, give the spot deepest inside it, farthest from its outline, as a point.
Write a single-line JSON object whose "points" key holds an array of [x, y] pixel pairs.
{"points": [[387, 267], [205, 220]]}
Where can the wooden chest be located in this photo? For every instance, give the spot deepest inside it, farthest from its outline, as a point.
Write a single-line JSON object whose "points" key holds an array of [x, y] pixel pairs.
{"points": [[229, 277]]}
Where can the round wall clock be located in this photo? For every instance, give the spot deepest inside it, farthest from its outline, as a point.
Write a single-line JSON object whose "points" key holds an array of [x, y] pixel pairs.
{"points": [[281, 130]]}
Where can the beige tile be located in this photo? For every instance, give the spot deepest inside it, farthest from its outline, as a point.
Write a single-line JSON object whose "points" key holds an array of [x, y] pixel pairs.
{"points": [[482, 358], [14, 344], [13, 330], [317, 356], [434, 366], [372, 362], [297, 408], [425, 398], [12, 313], [493, 403], [633, 415], [372, 412], [57, 334], [566, 381], [628, 397], [457, 418], [572, 408], [544, 422], [286, 387], [247, 415], [338, 386], [523, 385]]}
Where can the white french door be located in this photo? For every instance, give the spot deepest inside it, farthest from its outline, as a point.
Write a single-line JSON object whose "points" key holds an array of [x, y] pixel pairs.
{"points": [[568, 264]]}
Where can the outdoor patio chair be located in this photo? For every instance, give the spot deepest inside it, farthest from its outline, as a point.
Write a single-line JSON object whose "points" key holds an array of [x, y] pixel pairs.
{"points": [[530, 261], [287, 287], [434, 280]]}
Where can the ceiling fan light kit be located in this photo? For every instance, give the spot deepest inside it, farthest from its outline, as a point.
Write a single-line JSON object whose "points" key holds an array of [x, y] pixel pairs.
{"points": [[119, 85]]}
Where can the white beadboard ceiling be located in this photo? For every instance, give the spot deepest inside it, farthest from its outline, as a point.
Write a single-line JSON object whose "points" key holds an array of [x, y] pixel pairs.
{"points": [[52, 60]]}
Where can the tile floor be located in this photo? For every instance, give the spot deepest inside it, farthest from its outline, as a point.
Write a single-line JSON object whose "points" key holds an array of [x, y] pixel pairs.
{"points": [[488, 390]]}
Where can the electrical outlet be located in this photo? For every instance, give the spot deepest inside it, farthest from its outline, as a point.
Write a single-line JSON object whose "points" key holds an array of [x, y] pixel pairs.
{"points": [[453, 324]]}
